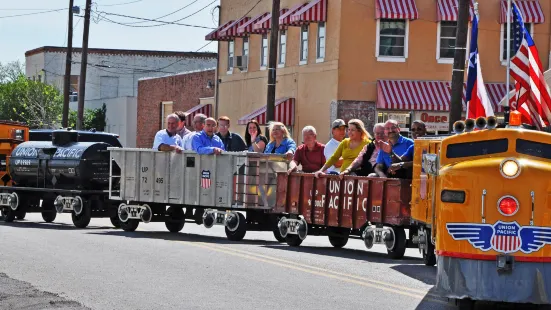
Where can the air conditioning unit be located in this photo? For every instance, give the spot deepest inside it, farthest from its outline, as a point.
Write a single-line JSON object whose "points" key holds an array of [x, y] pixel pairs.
{"points": [[241, 62], [73, 96]]}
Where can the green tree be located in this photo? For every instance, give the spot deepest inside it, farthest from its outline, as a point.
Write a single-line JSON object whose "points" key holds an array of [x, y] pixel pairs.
{"points": [[93, 118]]}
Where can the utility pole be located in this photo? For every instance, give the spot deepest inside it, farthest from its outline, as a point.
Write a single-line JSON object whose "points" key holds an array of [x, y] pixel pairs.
{"points": [[458, 75], [67, 84], [217, 71], [272, 64], [83, 65]]}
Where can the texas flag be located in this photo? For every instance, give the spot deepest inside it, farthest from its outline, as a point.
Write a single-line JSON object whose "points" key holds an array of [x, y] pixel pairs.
{"points": [[478, 102]]}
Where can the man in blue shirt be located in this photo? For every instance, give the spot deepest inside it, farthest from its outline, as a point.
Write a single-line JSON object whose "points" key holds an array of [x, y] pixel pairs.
{"points": [[405, 161], [168, 140], [392, 150], [206, 142]]}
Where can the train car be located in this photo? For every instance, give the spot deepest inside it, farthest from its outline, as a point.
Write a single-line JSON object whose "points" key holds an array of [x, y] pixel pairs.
{"points": [[483, 202], [375, 209], [61, 175], [11, 135], [205, 189]]}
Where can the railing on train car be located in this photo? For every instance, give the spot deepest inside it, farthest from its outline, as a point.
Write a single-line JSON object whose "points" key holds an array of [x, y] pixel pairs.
{"points": [[230, 180], [350, 202]]}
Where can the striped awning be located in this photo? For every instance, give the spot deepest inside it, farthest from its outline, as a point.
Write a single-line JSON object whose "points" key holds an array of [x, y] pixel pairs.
{"points": [[530, 9], [284, 113], [448, 10], [215, 34], [396, 9], [199, 109], [231, 30], [264, 25], [285, 18], [315, 11], [247, 28], [428, 95]]}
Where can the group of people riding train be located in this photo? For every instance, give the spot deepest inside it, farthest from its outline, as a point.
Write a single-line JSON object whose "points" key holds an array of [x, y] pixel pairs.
{"points": [[388, 154]]}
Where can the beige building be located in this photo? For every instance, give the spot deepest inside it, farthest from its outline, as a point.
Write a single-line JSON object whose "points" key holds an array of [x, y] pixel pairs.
{"points": [[367, 59]]}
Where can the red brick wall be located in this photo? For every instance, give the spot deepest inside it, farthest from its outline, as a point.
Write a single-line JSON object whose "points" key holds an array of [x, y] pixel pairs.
{"points": [[184, 90]]}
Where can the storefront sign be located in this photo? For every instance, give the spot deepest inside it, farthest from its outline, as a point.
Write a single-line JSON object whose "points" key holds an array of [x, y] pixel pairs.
{"points": [[435, 121], [401, 118]]}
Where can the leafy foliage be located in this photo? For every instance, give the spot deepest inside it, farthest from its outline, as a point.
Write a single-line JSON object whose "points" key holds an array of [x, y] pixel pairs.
{"points": [[93, 118]]}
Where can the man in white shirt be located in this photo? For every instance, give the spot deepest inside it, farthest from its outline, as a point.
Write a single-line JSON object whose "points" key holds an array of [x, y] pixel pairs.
{"points": [[198, 125], [338, 131]]}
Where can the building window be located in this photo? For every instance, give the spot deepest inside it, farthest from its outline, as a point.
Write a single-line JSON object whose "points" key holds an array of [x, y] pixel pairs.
{"points": [[528, 27], [109, 87], [264, 52], [282, 46], [231, 51], [245, 54], [303, 44], [166, 109], [446, 40], [321, 41], [392, 39]]}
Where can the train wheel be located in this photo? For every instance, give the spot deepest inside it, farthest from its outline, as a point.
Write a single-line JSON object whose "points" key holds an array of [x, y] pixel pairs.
{"points": [[9, 214], [278, 236], [293, 240], [338, 241], [395, 242], [115, 221], [21, 214], [239, 233], [429, 257], [49, 214], [130, 225], [83, 219], [465, 304], [177, 219]]}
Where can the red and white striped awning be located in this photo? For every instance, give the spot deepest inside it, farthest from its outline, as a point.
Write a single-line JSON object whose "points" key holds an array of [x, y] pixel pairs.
{"points": [[284, 113], [247, 28], [215, 34], [529, 9], [285, 18], [396, 9], [448, 10], [428, 95], [315, 11], [231, 30], [200, 109], [264, 25]]}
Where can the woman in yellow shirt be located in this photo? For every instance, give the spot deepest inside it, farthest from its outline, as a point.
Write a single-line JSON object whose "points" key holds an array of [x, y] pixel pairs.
{"points": [[350, 147]]}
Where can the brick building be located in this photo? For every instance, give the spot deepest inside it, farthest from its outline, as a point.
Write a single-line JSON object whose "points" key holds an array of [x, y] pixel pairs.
{"points": [[192, 92]]}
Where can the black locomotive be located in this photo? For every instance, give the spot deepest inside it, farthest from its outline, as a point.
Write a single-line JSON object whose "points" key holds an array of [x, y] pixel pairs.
{"points": [[61, 175]]}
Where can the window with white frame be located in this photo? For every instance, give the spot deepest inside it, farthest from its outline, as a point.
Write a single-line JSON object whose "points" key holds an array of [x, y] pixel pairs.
{"points": [[231, 50], [245, 54], [320, 50], [264, 51], [282, 46], [304, 43], [528, 27], [392, 38], [446, 39]]}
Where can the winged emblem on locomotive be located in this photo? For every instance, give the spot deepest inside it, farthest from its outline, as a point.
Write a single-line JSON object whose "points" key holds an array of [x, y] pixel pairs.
{"points": [[503, 237]]}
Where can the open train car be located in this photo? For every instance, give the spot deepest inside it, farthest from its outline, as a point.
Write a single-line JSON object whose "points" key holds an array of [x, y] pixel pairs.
{"points": [[61, 175], [483, 202], [375, 209], [205, 189]]}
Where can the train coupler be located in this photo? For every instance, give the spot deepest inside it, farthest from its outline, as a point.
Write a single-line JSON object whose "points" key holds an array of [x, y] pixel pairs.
{"points": [[135, 212], [293, 226], [230, 219], [68, 203], [9, 200]]}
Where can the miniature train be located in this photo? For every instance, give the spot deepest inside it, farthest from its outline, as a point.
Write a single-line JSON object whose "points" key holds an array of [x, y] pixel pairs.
{"points": [[477, 205]]}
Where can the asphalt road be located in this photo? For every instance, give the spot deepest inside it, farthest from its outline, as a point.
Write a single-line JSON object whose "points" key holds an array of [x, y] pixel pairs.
{"points": [[57, 266]]}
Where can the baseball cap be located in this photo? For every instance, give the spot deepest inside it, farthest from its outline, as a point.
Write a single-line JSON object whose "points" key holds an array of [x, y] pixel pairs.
{"points": [[338, 123]]}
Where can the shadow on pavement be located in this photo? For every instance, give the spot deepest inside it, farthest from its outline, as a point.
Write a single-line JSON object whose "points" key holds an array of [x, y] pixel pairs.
{"points": [[54, 225], [182, 236], [362, 255], [425, 274]]}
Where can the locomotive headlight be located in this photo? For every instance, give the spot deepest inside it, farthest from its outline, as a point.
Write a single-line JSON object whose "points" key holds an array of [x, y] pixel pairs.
{"points": [[510, 168]]}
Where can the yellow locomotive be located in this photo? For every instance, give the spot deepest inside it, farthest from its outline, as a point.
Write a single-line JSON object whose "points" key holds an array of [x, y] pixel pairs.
{"points": [[482, 201], [11, 135]]}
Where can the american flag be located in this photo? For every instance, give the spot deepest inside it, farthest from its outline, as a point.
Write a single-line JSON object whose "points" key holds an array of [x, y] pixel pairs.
{"points": [[532, 95], [205, 179]]}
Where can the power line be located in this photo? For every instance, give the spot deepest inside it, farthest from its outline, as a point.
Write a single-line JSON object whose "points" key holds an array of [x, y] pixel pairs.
{"points": [[121, 3], [42, 12], [171, 13]]}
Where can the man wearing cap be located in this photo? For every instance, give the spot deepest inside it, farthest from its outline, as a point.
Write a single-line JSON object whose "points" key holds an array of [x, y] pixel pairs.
{"points": [[338, 131]]}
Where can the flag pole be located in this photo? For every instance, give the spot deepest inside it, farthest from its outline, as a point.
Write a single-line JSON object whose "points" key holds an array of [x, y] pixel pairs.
{"points": [[507, 83]]}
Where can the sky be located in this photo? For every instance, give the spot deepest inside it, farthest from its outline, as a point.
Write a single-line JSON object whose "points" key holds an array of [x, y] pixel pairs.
{"points": [[19, 34]]}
